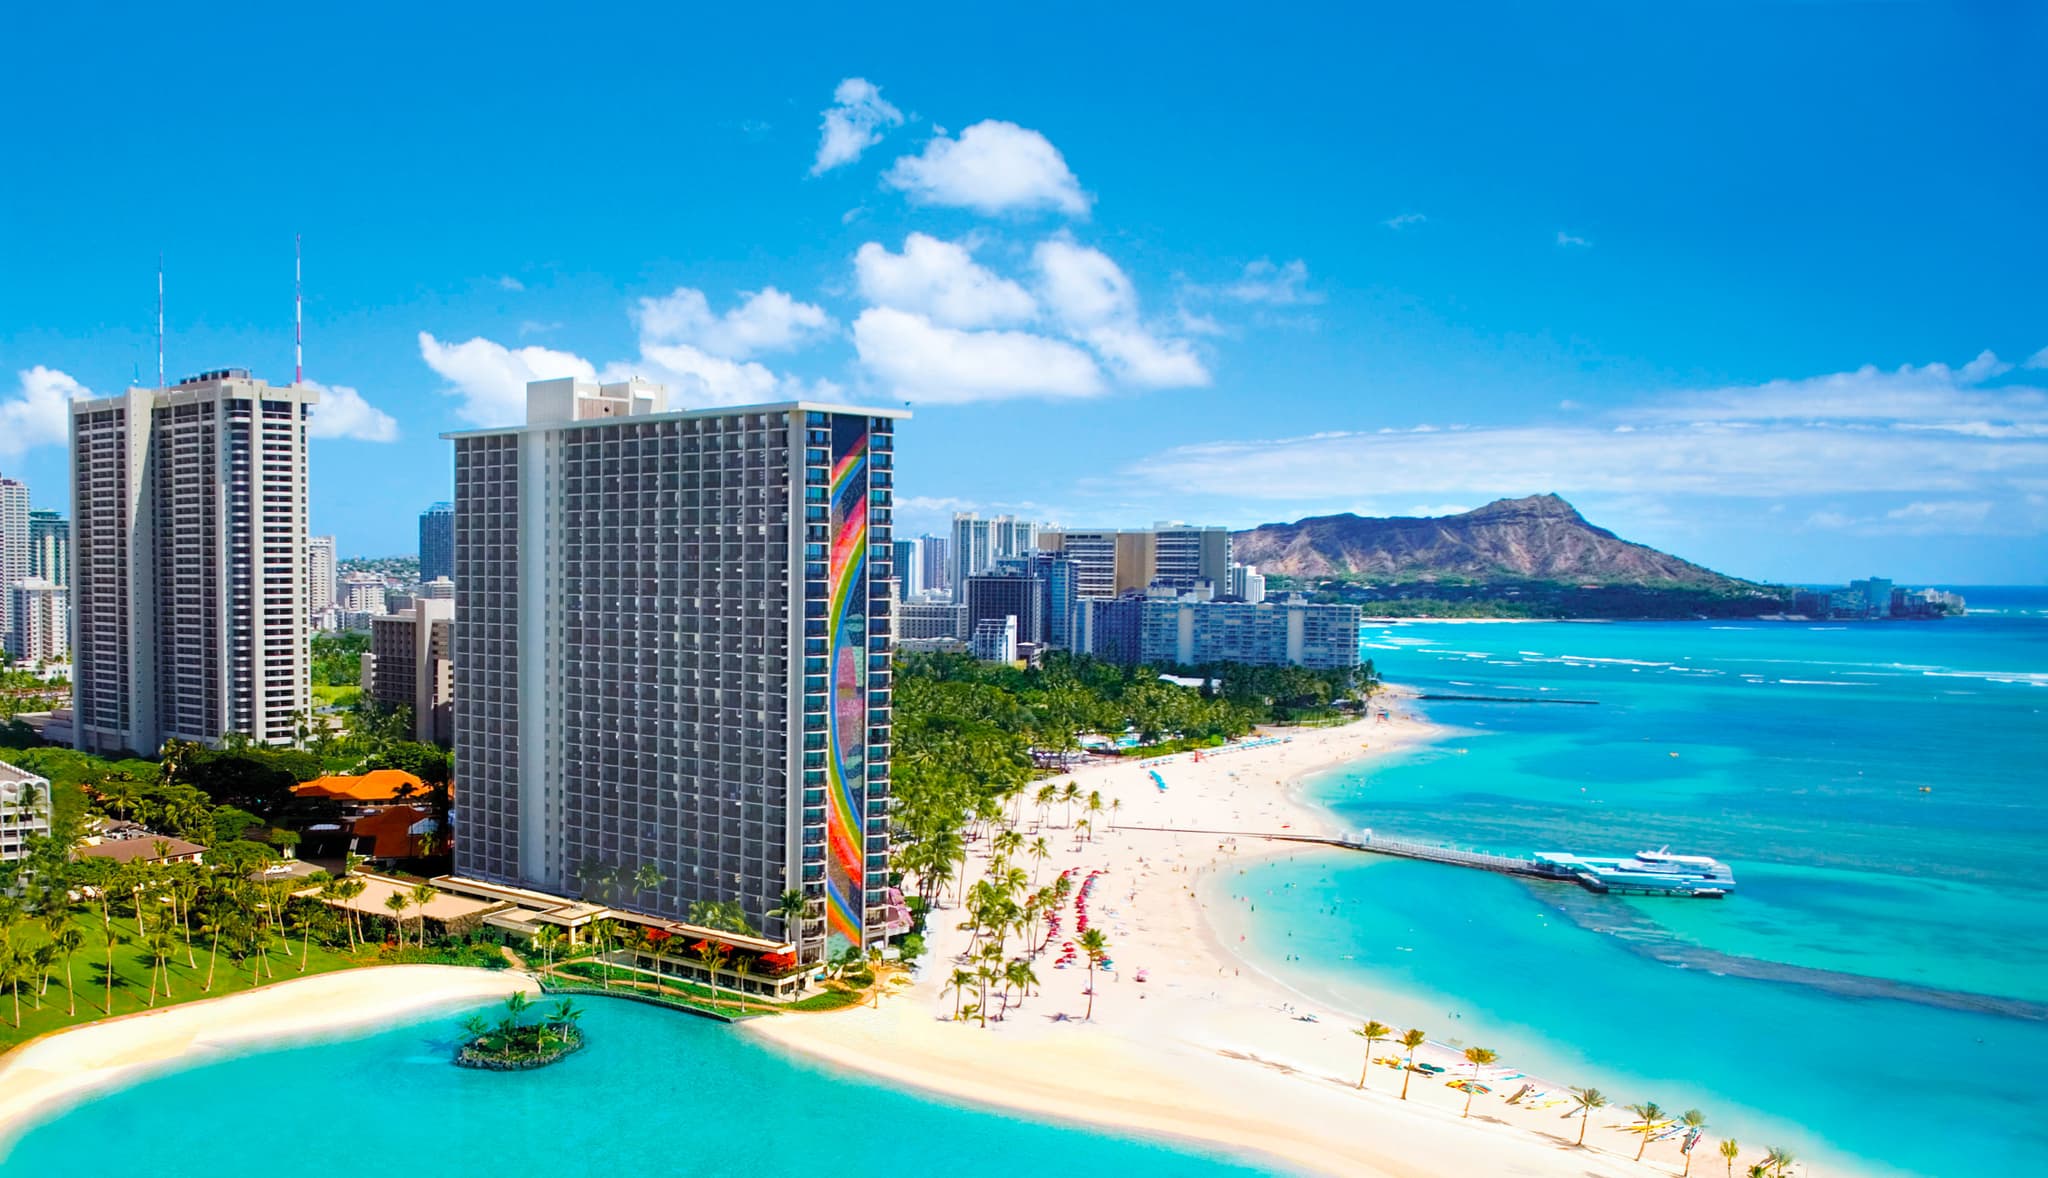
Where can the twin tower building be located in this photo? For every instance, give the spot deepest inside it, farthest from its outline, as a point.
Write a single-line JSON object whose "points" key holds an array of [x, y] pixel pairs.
{"points": [[672, 639]]}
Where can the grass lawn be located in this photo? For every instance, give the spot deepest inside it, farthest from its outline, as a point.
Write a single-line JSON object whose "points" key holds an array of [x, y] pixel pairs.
{"points": [[336, 695], [131, 978]]}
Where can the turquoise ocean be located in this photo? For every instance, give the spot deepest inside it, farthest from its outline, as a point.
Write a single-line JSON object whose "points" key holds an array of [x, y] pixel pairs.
{"points": [[1876, 991], [655, 1092]]}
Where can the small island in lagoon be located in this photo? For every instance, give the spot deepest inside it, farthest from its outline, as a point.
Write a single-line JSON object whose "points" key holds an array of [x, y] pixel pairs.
{"points": [[514, 1045]]}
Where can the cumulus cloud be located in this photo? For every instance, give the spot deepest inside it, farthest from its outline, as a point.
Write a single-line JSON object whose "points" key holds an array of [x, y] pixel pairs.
{"points": [[941, 281], [39, 412], [695, 378], [925, 361], [2038, 359], [766, 320], [490, 378], [1572, 240], [1404, 220], [852, 124], [993, 167], [341, 412], [507, 282], [1094, 300], [1933, 397]]}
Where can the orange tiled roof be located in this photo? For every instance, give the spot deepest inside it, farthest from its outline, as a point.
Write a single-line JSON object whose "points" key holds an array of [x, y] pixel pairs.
{"points": [[390, 832], [378, 785]]}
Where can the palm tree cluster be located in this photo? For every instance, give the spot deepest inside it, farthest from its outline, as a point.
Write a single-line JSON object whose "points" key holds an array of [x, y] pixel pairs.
{"points": [[512, 1040]]}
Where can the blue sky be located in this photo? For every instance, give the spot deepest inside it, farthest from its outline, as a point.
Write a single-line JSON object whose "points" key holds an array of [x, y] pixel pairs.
{"points": [[1763, 285]]}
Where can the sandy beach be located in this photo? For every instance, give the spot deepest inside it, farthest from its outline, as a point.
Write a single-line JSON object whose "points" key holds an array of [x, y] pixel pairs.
{"points": [[1207, 1049], [39, 1076]]}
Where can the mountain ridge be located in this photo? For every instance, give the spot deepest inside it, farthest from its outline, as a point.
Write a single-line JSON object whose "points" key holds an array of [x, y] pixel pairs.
{"points": [[1534, 538]]}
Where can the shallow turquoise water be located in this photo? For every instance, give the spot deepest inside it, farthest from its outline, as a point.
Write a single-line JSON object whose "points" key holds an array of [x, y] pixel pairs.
{"points": [[656, 1092], [1884, 941]]}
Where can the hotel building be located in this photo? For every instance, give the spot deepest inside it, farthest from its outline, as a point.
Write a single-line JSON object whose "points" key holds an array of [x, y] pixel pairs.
{"points": [[188, 583], [672, 656], [1110, 562]]}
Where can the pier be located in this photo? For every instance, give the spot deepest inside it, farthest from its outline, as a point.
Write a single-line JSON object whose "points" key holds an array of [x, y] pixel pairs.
{"points": [[1588, 874], [1399, 849]]}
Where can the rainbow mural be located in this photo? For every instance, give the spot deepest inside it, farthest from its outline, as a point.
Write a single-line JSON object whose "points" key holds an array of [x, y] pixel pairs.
{"points": [[847, 628]]}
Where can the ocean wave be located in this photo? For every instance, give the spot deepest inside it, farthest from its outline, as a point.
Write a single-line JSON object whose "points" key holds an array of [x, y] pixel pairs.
{"points": [[1823, 683], [2025, 678], [1587, 658]]}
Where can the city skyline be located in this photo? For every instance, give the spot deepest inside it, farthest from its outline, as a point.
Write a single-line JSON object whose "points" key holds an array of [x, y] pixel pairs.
{"points": [[1453, 271]]}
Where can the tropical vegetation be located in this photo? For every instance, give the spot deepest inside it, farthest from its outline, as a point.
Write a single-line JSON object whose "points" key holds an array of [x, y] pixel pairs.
{"points": [[512, 1043]]}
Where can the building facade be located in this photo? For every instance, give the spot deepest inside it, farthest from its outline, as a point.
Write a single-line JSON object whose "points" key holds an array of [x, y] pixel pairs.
{"points": [[189, 606], [1246, 583], [437, 541], [410, 664], [24, 811], [363, 593], [1108, 562], [49, 547], [672, 679], [995, 640], [1110, 628], [321, 577], [931, 621], [14, 542], [933, 549], [994, 596], [909, 568], [42, 621], [1184, 632]]}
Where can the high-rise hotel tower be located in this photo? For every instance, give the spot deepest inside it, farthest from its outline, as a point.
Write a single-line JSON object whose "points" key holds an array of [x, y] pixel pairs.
{"points": [[672, 655], [188, 580]]}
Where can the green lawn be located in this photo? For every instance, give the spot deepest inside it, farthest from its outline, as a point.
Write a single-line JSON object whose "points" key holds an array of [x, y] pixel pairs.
{"points": [[131, 978], [337, 695]]}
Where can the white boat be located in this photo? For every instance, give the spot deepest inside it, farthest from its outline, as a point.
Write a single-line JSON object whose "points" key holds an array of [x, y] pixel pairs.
{"points": [[1656, 872]]}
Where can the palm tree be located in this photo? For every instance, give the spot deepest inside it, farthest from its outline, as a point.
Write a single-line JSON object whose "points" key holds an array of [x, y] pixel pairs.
{"points": [[1759, 1170], [1694, 1121], [1019, 974], [1039, 852], [68, 941], [1588, 1099], [547, 939], [1096, 946], [1069, 794], [1372, 1032], [958, 984], [647, 877], [1729, 1149], [792, 908], [712, 954], [1411, 1038], [1478, 1057], [1044, 799], [396, 903], [1648, 1114], [1778, 1160], [422, 895]]}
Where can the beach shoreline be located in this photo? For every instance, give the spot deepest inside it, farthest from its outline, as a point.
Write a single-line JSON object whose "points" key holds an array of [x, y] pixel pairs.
{"points": [[1212, 1049], [42, 1077]]}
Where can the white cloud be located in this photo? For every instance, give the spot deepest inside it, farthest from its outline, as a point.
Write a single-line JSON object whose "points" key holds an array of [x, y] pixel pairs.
{"points": [[852, 124], [1404, 220], [1567, 239], [39, 413], [2038, 359], [696, 378], [941, 281], [1899, 443], [1280, 286], [1094, 300], [924, 361], [507, 282], [1932, 397], [491, 378], [993, 167], [341, 412], [766, 320]]}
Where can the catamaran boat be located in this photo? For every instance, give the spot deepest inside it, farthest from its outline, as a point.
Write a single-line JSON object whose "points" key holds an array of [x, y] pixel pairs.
{"points": [[1656, 872]]}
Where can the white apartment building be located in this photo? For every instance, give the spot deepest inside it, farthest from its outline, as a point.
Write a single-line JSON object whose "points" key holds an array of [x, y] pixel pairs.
{"points": [[14, 541], [24, 810], [189, 601], [362, 593], [42, 621], [320, 575]]}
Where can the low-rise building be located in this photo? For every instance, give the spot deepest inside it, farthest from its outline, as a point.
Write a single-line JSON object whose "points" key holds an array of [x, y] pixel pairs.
{"points": [[42, 621], [1189, 632], [129, 842], [24, 810]]}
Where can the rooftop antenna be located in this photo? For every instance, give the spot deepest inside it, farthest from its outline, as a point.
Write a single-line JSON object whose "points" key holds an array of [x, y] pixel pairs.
{"points": [[298, 313], [159, 319]]}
